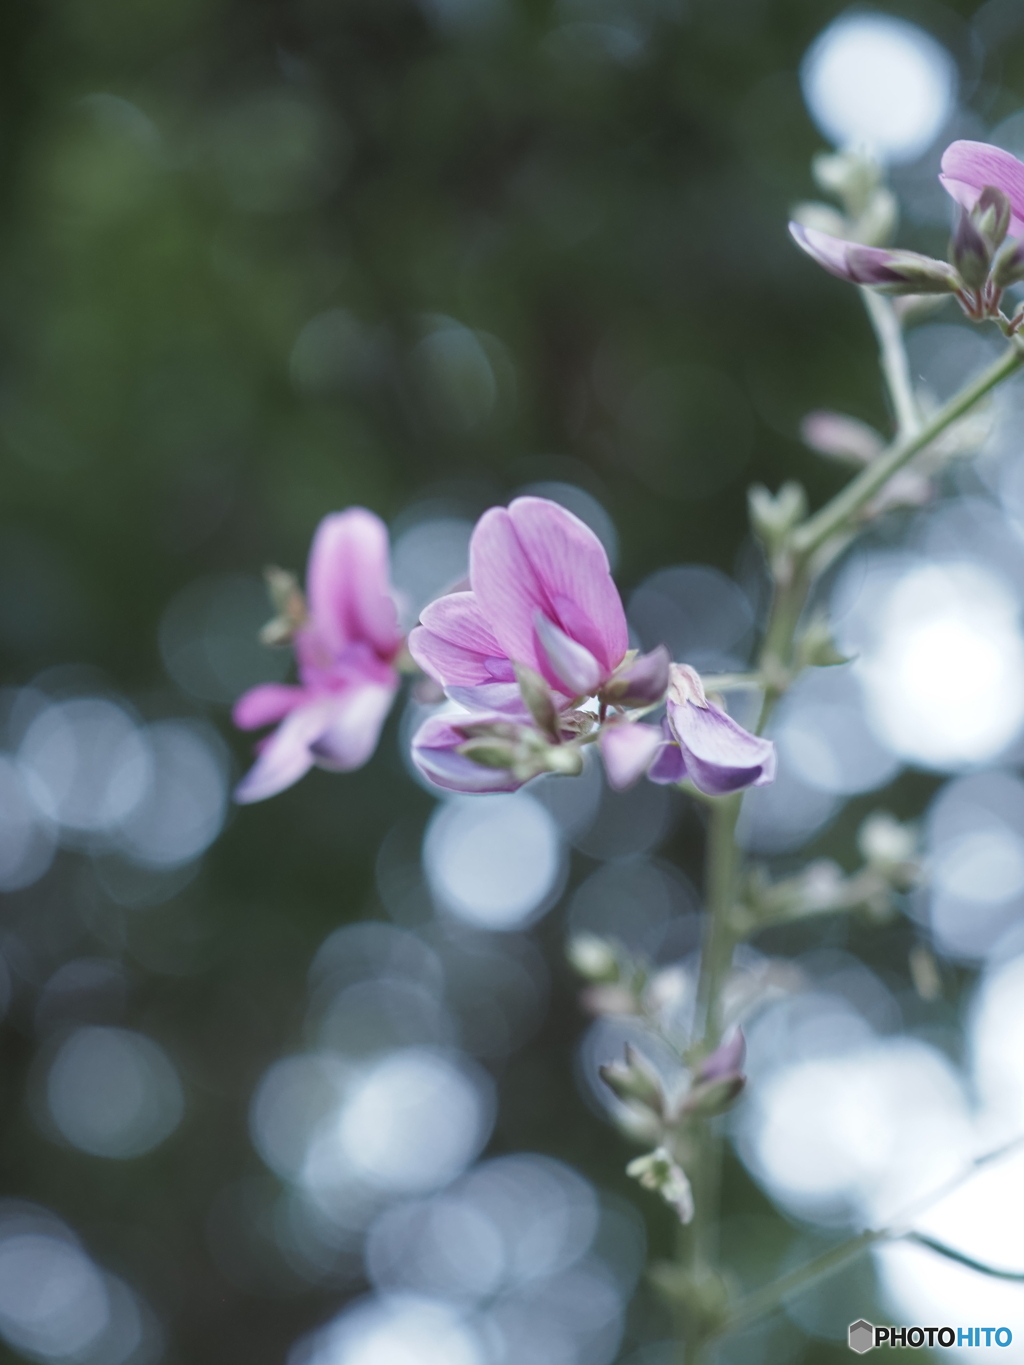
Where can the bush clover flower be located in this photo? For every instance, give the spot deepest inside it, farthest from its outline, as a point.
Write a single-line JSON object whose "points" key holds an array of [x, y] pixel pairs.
{"points": [[544, 615], [986, 252], [703, 743], [346, 640]]}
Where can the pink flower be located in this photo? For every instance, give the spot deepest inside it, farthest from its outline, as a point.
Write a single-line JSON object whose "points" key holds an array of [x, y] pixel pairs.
{"points": [[345, 651], [542, 596], [703, 743], [895, 272], [968, 167], [490, 742]]}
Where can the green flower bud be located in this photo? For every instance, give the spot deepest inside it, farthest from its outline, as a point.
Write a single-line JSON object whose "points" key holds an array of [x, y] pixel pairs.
{"points": [[538, 699], [594, 959], [773, 517], [659, 1172]]}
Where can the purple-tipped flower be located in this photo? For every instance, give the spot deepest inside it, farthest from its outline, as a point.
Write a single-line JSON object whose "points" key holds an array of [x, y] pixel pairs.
{"points": [[704, 743], [893, 272], [345, 649], [490, 742], [726, 1060], [542, 596], [640, 681], [969, 167]]}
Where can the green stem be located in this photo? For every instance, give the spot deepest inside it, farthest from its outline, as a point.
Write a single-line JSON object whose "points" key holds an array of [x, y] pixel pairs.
{"points": [[835, 515], [699, 1241], [793, 570], [716, 953], [763, 1301], [893, 356]]}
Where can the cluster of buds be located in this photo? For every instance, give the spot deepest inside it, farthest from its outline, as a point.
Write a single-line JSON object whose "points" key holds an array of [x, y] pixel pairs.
{"points": [[653, 1107], [986, 254], [709, 1089], [891, 868]]}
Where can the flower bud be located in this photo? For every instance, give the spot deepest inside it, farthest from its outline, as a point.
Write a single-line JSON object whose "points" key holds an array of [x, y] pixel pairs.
{"points": [[640, 680], [1008, 267], [726, 1060], [850, 176], [969, 252], [877, 223], [885, 842], [288, 604], [537, 696], [841, 437], [890, 848], [489, 753], [991, 216], [658, 1171], [774, 517], [708, 1098], [593, 958], [635, 1082], [815, 647], [821, 217], [892, 272]]}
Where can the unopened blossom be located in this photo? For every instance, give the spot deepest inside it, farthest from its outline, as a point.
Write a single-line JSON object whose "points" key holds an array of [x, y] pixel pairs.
{"points": [[702, 742], [488, 741], [891, 271], [345, 642]]}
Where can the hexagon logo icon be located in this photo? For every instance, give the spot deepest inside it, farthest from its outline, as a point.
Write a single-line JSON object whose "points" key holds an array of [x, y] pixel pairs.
{"points": [[862, 1336]]}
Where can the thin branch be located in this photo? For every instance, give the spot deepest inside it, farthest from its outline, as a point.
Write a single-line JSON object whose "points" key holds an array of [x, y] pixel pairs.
{"points": [[951, 1254], [848, 502], [763, 1301], [895, 367]]}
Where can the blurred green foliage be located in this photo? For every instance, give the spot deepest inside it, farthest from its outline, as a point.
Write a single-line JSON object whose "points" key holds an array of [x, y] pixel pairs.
{"points": [[185, 185]]}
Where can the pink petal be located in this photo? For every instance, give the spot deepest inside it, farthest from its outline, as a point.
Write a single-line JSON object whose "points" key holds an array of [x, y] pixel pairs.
{"points": [[898, 271], [503, 699], [348, 584], [285, 755], [572, 664], [669, 766], [967, 167], [720, 755], [537, 557], [830, 252], [455, 646], [435, 753], [627, 750], [356, 719], [267, 704], [572, 567]]}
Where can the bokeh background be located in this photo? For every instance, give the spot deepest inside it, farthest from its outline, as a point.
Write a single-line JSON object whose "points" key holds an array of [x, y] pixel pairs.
{"points": [[309, 1081]]}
